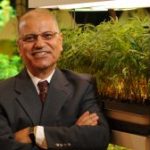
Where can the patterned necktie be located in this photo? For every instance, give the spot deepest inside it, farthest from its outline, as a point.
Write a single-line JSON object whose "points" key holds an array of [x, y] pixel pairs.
{"points": [[43, 88]]}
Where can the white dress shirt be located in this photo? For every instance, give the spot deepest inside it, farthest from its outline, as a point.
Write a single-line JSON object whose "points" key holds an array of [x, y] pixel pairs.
{"points": [[39, 130]]}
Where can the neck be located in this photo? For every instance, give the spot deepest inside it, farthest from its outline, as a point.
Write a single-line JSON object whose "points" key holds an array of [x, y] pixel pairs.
{"points": [[42, 73]]}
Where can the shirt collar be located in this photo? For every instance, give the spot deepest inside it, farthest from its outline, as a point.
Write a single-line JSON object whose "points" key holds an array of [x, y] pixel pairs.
{"points": [[35, 80]]}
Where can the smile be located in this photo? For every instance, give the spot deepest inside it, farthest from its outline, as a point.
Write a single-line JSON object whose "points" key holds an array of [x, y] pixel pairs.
{"points": [[40, 53]]}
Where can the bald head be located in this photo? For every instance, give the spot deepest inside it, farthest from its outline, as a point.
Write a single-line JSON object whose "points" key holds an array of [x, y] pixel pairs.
{"points": [[37, 16]]}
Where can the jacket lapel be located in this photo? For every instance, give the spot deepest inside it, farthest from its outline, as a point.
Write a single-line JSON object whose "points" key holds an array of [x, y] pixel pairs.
{"points": [[28, 97], [57, 95]]}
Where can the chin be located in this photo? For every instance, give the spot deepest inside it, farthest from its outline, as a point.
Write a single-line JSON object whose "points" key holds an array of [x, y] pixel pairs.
{"points": [[45, 67], [44, 64]]}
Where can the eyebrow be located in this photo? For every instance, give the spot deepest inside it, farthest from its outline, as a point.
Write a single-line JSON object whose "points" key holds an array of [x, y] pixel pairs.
{"points": [[33, 33]]}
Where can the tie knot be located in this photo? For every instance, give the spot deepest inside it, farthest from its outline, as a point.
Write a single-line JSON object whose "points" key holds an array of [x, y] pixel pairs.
{"points": [[43, 89], [43, 86]]}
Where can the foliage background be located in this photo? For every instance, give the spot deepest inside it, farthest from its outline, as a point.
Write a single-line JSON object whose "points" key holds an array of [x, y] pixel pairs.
{"points": [[116, 54]]}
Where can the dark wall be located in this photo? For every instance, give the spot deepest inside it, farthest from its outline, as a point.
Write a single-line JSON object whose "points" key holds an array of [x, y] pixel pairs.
{"points": [[94, 17]]}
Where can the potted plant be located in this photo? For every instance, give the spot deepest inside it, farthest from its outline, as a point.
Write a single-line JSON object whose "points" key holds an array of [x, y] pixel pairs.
{"points": [[118, 56]]}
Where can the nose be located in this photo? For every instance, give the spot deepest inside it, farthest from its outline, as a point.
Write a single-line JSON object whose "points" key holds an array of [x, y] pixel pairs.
{"points": [[39, 43]]}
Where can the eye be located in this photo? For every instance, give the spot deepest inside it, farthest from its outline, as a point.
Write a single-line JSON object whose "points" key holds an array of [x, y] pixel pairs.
{"points": [[47, 36], [29, 38]]}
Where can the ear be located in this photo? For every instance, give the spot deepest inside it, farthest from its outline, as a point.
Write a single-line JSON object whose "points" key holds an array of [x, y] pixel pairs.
{"points": [[18, 42], [61, 40], [60, 37]]}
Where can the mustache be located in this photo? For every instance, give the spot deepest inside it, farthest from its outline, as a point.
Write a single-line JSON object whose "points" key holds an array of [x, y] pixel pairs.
{"points": [[39, 50]]}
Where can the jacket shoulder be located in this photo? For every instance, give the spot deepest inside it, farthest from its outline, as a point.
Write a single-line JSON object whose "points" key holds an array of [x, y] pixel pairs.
{"points": [[71, 75], [7, 84]]}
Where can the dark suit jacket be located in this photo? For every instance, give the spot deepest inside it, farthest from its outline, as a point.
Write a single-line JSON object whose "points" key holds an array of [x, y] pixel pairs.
{"points": [[68, 97]]}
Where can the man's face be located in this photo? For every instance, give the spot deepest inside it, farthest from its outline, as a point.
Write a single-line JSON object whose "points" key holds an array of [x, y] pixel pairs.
{"points": [[40, 43]]}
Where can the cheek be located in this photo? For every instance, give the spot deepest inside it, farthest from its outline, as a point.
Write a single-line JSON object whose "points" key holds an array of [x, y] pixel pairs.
{"points": [[24, 49], [58, 50], [24, 52], [58, 45]]}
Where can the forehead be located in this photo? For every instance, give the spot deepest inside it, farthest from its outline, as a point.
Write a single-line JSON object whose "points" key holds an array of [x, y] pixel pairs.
{"points": [[37, 24]]}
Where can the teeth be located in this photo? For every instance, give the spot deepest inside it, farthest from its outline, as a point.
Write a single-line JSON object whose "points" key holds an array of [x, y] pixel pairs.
{"points": [[40, 54]]}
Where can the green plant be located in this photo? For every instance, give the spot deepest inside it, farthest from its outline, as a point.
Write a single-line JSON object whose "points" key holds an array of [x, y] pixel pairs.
{"points": [[9, 66], [6, 12], [118, 55]]}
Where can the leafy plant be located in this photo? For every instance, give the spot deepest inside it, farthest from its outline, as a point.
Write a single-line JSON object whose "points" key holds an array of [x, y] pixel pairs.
{"points": [[9, 66], [116, 54], [6, 12]]}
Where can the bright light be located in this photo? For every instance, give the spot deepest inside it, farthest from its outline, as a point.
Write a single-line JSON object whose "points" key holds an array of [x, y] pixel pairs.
{"points": [[102, 5], [74, 6], [123, 4]]}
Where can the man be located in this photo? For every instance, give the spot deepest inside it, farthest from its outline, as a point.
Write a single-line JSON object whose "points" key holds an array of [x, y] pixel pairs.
{"points": [[69, 117]]}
